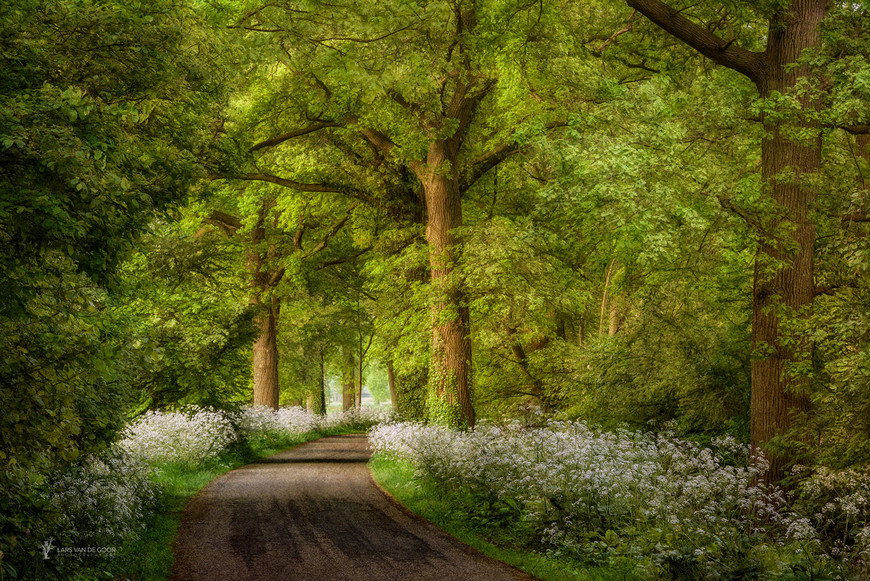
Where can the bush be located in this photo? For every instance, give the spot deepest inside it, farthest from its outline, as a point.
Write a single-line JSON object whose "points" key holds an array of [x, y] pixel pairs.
{"points": [[676, 508], [178, 437], [103, 501]]}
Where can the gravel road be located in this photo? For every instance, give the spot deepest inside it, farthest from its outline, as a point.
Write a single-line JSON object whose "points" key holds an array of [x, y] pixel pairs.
{"points": [[313, 514]]}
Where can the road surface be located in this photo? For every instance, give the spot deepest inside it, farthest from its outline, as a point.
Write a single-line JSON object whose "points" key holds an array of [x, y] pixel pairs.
{"points": [[313, 513]]}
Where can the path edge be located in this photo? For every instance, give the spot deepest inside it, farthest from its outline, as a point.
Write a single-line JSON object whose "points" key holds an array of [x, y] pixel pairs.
{"points": [[465, 547]]}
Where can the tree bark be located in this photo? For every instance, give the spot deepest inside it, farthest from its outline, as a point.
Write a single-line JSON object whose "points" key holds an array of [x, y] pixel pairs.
{"points": [[605, 297], [265, 359], [778, 397], [784, 266], [360, 377], [535, 385], [451, 347], [265, 350], [321, 410]]}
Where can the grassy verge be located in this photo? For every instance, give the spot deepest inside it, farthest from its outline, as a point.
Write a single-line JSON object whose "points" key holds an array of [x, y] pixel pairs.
{"points": [[508, 544], [149, 558]]}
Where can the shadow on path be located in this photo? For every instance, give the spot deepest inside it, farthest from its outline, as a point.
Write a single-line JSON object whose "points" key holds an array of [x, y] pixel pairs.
{"points": [[312, 513]]}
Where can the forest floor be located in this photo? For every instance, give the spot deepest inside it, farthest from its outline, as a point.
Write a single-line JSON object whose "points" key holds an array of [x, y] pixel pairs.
{"points": [[313, 513]]}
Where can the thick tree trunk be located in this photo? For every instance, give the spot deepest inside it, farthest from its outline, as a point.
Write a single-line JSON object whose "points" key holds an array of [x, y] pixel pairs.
{"points": [[265, 352], [783, 283], [784, 267], [451, 347], [265, 359]]}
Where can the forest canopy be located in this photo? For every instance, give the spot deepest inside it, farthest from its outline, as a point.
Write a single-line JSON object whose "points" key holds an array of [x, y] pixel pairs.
{"points": [[636, 213]]}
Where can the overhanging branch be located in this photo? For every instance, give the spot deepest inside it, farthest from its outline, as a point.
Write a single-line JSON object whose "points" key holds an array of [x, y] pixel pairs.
{"points": [[293, 134], [291, 184], [724, 52]]}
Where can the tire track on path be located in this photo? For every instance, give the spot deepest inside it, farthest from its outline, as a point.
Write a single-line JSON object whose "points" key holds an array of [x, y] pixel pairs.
{"points": [[313, 513]]}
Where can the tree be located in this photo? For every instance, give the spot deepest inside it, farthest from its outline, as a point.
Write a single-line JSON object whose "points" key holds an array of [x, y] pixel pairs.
{"points": [[455, 107], [180, 302], [278, 237], [791, 155]]}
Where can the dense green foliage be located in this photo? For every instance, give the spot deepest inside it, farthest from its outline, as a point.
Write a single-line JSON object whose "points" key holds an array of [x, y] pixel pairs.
{"points": [[174, 172], [104, 115]]}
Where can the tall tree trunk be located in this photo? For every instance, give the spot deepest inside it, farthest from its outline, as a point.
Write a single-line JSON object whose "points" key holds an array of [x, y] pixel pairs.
{"points": [[265, 351], [321, 407], [316, 399], [862, 144], [783, 281], [265, 360], [451, 347], [348, 391], [534, 385], [360, 386], [605, 296], [784, 267], [615, 316]]}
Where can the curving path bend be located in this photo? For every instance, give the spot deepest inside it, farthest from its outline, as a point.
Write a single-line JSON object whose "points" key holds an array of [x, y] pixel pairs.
{"points": [[313, 513]]}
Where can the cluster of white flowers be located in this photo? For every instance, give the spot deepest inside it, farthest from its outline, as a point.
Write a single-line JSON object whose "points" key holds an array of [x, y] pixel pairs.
{"points": [[191, 436], [103, 500], [178, 437], [839, 502], [261, 420], [358, 418], [593, 493]]}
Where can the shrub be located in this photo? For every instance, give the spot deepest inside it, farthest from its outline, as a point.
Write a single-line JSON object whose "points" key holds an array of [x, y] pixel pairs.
{"points": [[178, 437], [677, 508], [103, 501]]}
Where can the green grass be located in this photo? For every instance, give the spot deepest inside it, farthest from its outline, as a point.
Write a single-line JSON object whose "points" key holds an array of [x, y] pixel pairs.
{"points": [[149, 558], [503, 543]]}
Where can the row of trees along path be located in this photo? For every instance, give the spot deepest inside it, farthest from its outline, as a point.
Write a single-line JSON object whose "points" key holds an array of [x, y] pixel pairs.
{"points": [[418, 125]]}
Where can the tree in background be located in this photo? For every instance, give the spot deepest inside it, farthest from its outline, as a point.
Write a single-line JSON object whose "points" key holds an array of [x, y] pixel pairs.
{"points": [[279, 239], [435, 91], [181, 300]]}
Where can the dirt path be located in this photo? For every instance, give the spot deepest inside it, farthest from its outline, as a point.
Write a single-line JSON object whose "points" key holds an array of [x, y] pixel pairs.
{"points": [[313, 514]]}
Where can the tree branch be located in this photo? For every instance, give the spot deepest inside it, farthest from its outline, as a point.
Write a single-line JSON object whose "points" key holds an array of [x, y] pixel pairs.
{"points": [[276, 277], [329, 263], [723, 52], [486, 161], [291, 184], [729, 205], [293, 134], [333, 231], [615, 35], [855, 217], [226, 222], [856, 129]]}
